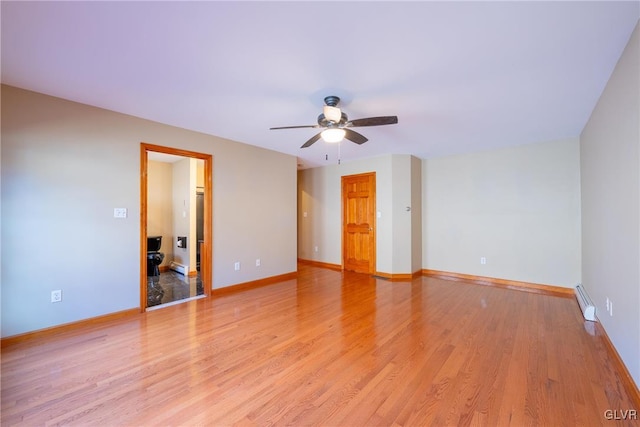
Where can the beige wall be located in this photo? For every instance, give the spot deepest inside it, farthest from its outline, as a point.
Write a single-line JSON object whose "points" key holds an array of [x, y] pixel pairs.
{"points": [[400, 217], [200, 174], [159, 205], [171, 206], [184, 208], [517, 207], [319, 196], [66, 166], [610, 165], [416, 214]]}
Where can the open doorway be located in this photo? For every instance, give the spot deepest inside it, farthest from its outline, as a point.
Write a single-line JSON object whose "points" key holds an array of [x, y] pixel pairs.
{"points": [[175, 225]]}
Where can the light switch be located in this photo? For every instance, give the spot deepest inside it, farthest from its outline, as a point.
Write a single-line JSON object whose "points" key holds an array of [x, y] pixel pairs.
{"points": [[120, 212]]}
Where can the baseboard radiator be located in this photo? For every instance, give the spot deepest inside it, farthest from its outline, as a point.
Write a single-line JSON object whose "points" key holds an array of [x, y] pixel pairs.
{"points": [[179, 268], [585, 303]]}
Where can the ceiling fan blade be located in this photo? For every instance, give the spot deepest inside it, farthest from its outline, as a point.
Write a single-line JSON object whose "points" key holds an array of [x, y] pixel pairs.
{"points": [[374, 121], [312, 140], [295, 127], [354, 136]]}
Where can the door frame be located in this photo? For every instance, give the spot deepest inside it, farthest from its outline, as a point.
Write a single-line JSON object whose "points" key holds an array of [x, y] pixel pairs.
{"points": [[206, 254], [373, 219]]}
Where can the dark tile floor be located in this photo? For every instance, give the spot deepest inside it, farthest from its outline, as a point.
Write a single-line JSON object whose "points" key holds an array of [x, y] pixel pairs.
{"points": [[172, 286]]}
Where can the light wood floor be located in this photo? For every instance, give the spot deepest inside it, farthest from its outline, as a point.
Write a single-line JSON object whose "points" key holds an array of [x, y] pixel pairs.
{"points": [[328, 349]]}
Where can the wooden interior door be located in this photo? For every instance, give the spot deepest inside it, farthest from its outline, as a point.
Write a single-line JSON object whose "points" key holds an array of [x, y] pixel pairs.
{"points": [[359, 222]]}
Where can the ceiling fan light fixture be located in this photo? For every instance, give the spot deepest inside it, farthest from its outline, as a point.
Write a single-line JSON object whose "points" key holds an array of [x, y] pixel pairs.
{"points": [[333, 114], [333, 135]]}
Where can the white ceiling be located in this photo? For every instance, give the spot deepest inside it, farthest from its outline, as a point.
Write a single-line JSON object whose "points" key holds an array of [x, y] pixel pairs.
{"points": [[460, 76]]}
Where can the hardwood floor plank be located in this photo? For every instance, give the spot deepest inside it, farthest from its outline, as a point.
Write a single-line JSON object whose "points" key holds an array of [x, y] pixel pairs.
{"points": [[324, 348]]}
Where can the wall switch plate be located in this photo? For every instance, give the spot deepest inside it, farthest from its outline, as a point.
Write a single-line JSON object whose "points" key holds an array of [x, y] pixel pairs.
{"points": [[257, 262], [119, 212], [236, 266], [56, 296]]}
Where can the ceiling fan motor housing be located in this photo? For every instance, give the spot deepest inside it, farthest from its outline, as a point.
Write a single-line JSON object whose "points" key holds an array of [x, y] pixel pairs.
{"points": [[331, 100], [323, 122]]}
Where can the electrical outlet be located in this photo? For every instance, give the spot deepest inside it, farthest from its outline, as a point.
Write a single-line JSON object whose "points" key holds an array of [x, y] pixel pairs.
{"points": [[236, 266], [56, 296], [483, 260], [257, 262]]}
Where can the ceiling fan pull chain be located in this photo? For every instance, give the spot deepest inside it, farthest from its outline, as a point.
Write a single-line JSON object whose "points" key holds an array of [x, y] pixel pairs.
{"points": [[339, 155]]}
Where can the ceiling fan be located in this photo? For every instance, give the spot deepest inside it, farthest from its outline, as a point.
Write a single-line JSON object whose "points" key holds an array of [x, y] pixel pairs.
{"points": [[337, 125]]}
